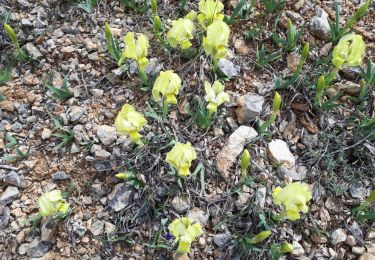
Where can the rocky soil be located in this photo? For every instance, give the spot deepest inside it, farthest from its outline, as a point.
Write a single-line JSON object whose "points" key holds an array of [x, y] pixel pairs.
{"points": [[111, 219]]}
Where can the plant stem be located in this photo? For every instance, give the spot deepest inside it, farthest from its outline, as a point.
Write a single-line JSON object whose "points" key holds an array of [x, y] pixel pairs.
{"points": [[143, 76], [165, 110], [331, 76]]}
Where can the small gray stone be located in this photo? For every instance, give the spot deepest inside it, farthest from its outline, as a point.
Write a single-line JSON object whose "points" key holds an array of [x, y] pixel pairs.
{"points": [[120, 197], [48, 229], [97, 227], [180, 204], [9, 195], [198, 215], [357, 191], [17, 127], [221, 240], [97, 93], [60, 176], [338, 236], [249, 108], [37, 248], [78, 229], [33, 51], [260, 197], [107, 134], [228, 69], [15, 179], [154, 67], [76, 112], [26, 23], [4, 216], [320, 26]]}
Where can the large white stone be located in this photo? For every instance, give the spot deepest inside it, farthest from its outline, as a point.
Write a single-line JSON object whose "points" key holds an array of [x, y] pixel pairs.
{"points": [[279, 153]]}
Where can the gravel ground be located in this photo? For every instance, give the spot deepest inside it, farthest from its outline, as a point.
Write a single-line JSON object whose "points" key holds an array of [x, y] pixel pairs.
{"points": [[111, 219]]}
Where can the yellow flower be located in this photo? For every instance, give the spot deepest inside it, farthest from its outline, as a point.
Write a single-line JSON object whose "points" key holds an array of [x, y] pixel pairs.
{"points": [[168, 85], [181, 33], [217, 39], [185, 232], [52, 203], [210, 11], [260, 237], [180, 157], [136, 50], [215, 95], [294, 198], [349, 51], [129, 122]]}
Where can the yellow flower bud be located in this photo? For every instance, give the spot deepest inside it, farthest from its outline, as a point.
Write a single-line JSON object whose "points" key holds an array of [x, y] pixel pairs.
{"points": [[260, 237], [130, 122], [168, 85], [210, 11], [276, 102], [349, 51], [245, 160], [294, 198], [181, 157], [286, 248], [217, 40], [136, 50], [52, 203], [185, 232]]}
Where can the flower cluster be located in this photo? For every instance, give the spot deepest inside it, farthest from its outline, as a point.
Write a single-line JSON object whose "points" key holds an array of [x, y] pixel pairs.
{"points": [[215, 96], [185, 232], [130, 122], [293, 197], [349, 51], [52, 203], [181, 157]]}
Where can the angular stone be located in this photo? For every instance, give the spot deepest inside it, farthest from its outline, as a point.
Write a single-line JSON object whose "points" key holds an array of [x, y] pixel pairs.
{"points": [[180, 204], [233, 148], [198, 215], [107, 134], [9, 195], [60, 176], [338, 236], [33, 51], [279, 153], [96, 228], [320, 26], [48, 229], [228, 69], [221, 240], [15, 179], [37, 248], [120, 197], [249, 108]]}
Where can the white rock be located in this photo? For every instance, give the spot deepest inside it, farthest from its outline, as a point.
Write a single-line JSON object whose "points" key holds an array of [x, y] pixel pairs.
{"points": [[338, 236], [233, 148], [96, 228], [180, 204], [198, 215], [279, 153], [33, 51], [46, 133]]}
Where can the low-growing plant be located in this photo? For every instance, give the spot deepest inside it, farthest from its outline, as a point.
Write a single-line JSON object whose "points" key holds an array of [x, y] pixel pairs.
{"points": [[293, 197], [66, 137], [185, 231], [20, 53], [181, 157], [275, 110], [366, 128], [336, 31], [113, 44], [216, 41], [131, 178], [263, 59], [5, 75], [280, 84], [136, 50], [348, 52], [292, 36], [278, 250], [215, 96], [209, 12], [62, 93], [129, 122], [167, 85], [137, 5], [87, 5], [19, 155], [242, 9], [272, 5], [363, 212], [368, 83]]}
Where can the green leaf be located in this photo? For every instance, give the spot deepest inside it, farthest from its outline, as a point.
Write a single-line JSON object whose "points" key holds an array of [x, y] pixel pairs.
{"points": [[10, 139]]}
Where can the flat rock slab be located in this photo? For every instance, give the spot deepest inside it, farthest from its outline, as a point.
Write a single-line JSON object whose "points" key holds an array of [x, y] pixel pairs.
{"points": [[279, 153], [233, 148]]}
